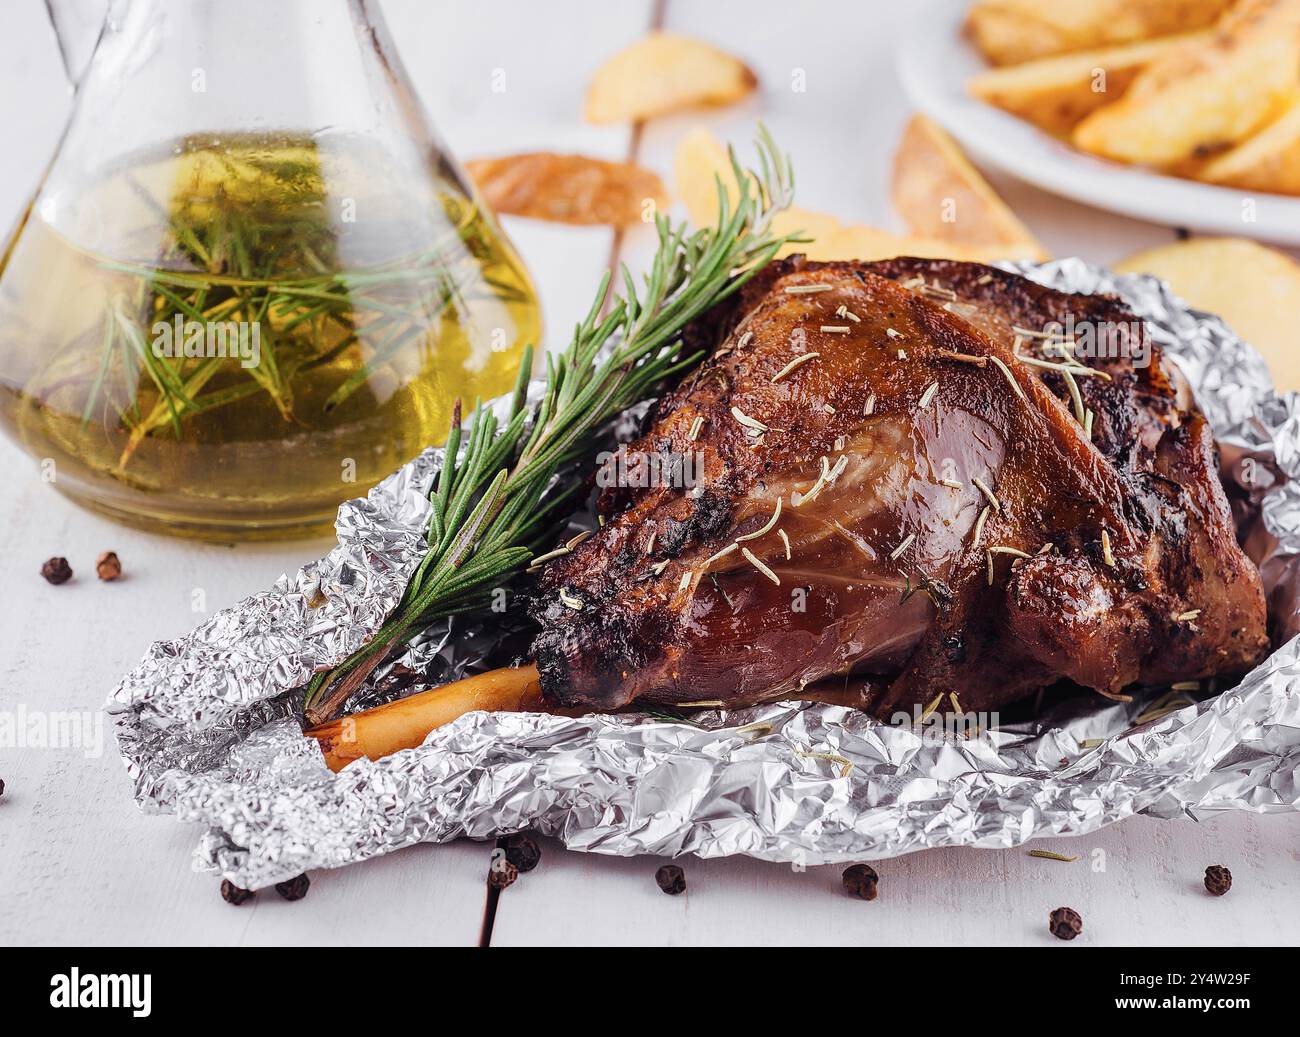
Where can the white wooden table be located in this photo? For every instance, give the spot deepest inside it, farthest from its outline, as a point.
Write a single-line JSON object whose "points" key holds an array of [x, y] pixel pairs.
{"points": [[79, 864]]}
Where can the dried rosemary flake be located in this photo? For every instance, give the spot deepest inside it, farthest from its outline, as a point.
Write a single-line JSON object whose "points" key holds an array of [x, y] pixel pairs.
{"points": [[1006, 372], [988, 557], [988, 494], [721, 554], [757, 563], [700, 704], [835, 329], [1075, 397], [1030, 333], [1087, 423], [586, 534], [828, 408], [1090, 743], [540, 559], [771, 524], [956, 706], [902, 354], [845, 313], [650, 544], [785, 540], [869, 407], [907, 542], [804, 498], [952, 484], [965, 358], [1048, 855], [986, 279], [747, 421], [569, 601], [696, 426], [758, 730], [744, 340], [892, 333], [808, 289], [792, 365], [1013, 551], [845, 765], [932, 706], [659, 567], [1186, 617], [1185, 686], [685, 581], [1108, 557], [1065, 369], [927, 396], [979, 524]]}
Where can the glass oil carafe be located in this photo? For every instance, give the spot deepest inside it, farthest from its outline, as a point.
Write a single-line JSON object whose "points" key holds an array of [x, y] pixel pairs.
{"points": [[252, 282]]}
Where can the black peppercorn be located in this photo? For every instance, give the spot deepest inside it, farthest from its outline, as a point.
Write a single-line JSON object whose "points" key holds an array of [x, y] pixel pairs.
{"points": [[294, 888], [2, 786], [523, 852], [1065, 922], [232, 894], [56, 571], [108, 567], [860, 880], [671, 879], [1218, 879], [501, 873]]}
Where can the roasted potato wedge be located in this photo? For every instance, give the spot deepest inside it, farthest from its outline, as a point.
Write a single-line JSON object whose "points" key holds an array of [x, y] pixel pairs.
{"points": [[941, 195], [1255, 289], [568, 188], [1008, 32], [701, 161], [1268, 161], [1205, 96], [1056, 94], [663, 73]]}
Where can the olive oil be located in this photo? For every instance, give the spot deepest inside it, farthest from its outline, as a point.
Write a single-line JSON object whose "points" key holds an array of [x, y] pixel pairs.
{"points": [[234, 335]]}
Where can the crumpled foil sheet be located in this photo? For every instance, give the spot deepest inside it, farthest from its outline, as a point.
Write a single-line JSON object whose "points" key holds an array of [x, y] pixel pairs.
{"points": [[209, 724]]}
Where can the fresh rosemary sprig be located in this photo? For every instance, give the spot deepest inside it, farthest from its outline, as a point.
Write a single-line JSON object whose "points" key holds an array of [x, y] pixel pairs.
{"points": [[488, 515]]}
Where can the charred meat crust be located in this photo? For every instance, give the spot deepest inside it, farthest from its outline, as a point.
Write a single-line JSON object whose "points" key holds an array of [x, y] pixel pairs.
{"points": [[874, 448]]}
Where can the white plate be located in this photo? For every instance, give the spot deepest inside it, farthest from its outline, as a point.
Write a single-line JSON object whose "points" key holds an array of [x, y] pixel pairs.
{"points": [[935, 63]]}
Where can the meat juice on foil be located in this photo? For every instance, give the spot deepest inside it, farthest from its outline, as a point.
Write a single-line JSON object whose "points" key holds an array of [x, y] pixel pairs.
{"points": [[209, 725]]}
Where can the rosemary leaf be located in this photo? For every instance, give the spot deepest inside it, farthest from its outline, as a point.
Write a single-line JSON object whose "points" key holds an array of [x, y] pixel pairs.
{"points": [[495, 503]]}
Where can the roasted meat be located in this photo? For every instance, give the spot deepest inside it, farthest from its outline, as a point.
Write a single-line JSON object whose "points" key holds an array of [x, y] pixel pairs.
{"points": [[901, 477]]}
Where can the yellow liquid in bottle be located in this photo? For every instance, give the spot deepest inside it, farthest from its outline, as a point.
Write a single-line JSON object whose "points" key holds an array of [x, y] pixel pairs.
{"points": [[236, 336]]}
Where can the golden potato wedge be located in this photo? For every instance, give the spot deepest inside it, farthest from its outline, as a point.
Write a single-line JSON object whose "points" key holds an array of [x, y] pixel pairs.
{"points": [[1255, 289], [1205, 96], [568, 188], [701, 161], [1008, 32], [1056, 94], [1268, 161], [941, 195], [664, 73]]}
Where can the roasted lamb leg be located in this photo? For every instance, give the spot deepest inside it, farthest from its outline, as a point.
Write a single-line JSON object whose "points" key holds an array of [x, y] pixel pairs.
{"points": [[897, 480]]}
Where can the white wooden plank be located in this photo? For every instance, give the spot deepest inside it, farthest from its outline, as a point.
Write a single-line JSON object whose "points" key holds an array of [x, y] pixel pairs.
{"points": [[80, 863], [841, 129], [1150, 892]]}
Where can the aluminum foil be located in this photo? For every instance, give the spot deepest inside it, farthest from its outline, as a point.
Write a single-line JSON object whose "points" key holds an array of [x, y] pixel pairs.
{"points": [[209, 725]]}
